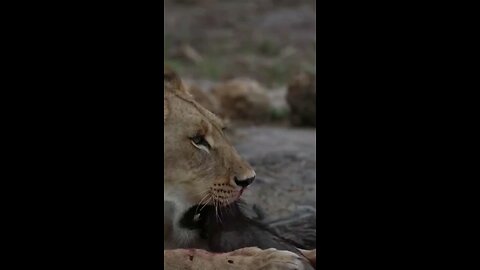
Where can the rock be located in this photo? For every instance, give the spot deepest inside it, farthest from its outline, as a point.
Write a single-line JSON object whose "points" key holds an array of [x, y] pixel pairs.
{"points": [[243, 99], [284, 160], [301, 98]]}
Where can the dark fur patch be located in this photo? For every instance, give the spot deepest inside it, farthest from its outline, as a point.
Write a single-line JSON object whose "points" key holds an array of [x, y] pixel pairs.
{"points": [[228, 229]]}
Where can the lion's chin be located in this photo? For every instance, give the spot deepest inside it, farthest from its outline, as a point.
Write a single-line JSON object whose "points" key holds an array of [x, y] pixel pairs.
{"points": [[226, 201], [223, 197]]}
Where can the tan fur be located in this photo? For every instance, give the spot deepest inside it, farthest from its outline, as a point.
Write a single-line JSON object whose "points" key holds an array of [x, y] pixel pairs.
{"points": [[193, 173], [194, 176]]}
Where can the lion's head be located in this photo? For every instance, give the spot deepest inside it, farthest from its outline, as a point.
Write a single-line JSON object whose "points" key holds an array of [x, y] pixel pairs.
{"points": [[200, 164]]}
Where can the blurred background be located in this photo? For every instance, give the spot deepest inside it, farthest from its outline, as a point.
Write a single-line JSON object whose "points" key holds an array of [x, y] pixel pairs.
{"points": [[253, 64]]}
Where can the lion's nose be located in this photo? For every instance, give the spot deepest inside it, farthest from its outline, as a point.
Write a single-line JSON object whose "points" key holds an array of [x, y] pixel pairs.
{"points": [[244, 182]]}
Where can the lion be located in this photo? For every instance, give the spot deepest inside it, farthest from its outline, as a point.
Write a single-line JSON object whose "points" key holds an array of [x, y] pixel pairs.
{"points": [[201, 167]]}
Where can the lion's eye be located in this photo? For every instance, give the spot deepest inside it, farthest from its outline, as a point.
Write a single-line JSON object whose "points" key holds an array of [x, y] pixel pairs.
{"points": [[200, 140]]}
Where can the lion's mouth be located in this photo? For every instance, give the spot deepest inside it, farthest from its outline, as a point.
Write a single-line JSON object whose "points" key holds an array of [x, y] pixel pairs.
{"points": [[240, 193]]}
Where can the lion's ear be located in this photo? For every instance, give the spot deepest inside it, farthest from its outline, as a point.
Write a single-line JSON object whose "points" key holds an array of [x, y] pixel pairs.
{"points": [[172, 82]]}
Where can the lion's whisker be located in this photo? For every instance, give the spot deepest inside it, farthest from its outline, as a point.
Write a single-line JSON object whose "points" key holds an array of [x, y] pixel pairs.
{"points": [[200, 203], [203, 198], [203, 192], [216, 211], [210, 198]]}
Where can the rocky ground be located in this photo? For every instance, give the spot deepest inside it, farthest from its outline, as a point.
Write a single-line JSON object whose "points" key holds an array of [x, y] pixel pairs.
{"points": [[285, 189], [284, 160]]}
